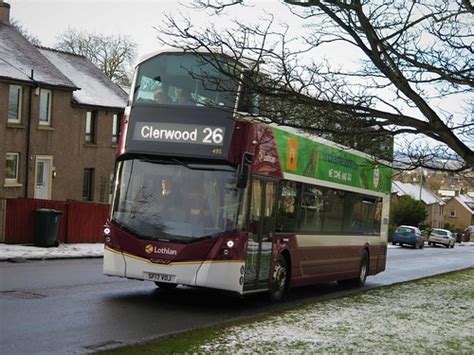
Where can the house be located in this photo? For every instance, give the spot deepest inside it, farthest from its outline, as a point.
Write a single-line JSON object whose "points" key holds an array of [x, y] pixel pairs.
{"points": [[433, 203], [459, 211], [449, 193], [59, 121]]}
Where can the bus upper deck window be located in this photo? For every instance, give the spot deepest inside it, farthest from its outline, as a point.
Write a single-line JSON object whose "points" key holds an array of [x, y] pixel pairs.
{"points": [[184, 79]]}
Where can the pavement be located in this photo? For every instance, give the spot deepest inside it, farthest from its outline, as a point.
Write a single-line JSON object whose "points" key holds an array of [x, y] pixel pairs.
{"points": [[19, 253]]}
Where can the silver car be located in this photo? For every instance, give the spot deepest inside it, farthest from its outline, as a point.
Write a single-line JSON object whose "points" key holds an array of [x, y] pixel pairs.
{"points": [[441, 236]]}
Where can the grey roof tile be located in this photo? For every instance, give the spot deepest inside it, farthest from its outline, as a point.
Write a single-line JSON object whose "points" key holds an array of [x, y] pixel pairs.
{"points": [[96, 89], [18, 57], [55, 68]]}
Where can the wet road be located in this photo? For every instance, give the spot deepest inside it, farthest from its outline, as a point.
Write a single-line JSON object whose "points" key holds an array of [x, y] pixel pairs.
{"points": [[68, 306]]}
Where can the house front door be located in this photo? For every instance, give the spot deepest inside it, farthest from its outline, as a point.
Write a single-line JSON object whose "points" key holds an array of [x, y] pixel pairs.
{"points": [[43, 177]]}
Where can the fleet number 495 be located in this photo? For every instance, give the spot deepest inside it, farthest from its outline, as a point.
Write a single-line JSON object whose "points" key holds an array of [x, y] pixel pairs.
{"points": [[213, 136]]}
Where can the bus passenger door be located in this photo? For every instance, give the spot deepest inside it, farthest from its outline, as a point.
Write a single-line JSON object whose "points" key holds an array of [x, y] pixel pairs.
{"points": [[261, 227]]}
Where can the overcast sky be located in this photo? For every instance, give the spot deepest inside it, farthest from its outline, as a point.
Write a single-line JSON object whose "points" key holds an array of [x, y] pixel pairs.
{"points": [[46, 19]]}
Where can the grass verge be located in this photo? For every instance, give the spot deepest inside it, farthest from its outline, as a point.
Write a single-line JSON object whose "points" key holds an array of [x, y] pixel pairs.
{"points": [[434, 315]]}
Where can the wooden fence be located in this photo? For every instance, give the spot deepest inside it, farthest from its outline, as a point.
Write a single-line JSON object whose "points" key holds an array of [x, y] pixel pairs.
{"points": [[81, 222]]}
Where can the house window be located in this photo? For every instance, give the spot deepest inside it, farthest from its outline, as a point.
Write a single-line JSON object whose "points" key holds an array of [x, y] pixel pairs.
{"points": [[14, 104], [45, 107], [115, 128], [452, 213], [90, 126], [88, 184], [11, 168]]}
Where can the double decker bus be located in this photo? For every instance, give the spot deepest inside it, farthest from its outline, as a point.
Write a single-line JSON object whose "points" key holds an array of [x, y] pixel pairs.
{"points": [[205, 196]]}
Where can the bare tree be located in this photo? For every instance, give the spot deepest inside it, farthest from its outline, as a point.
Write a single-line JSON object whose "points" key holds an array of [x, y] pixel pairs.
{"points": [[113, 54], [413, 54], [32, 39]]}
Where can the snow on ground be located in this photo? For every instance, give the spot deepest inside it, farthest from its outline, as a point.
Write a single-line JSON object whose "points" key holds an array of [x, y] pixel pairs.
{"points": [[421, 317], [79, 250]]}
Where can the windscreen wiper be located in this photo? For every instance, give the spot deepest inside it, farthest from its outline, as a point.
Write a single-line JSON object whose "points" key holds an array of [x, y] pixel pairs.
{"points": [[155, 160], [205, 167]]}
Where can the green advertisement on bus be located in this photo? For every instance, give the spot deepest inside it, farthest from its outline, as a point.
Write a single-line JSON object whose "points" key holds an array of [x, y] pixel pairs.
{"points": [[303, 156]]}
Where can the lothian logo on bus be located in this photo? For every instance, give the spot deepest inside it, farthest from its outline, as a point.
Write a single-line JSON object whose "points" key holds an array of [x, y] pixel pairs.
{"points": [[149, 249]]}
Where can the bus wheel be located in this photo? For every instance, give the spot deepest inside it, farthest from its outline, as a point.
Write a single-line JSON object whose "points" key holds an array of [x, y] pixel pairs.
{"points": [[165, 286], [280, 280], [363, 268]]}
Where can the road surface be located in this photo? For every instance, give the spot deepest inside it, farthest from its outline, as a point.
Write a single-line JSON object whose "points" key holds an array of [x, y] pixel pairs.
{"points": [[68, 306]]}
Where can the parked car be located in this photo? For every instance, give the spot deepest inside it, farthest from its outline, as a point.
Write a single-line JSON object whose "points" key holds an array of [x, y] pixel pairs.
{"points": [[408, 235], [441, 236]]}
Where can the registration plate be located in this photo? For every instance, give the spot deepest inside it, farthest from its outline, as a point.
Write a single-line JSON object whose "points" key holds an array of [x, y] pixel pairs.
{"points": [[160, 277]]}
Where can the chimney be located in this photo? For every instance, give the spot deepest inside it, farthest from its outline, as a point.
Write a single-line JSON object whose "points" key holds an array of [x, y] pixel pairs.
{"points": [[4, 12]]}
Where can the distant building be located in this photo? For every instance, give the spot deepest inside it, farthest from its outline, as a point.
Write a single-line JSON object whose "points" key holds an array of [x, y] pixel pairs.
{"points": [[448, 193], [59, 121], [434, 204], [459, 211]]}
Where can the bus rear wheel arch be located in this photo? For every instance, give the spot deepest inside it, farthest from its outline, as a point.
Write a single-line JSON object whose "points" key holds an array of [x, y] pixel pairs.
{"points": [[280, 280]]}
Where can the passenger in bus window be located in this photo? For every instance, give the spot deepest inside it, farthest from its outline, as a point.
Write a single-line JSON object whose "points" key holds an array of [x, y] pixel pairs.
{"points": [[185, 98], [161, 97], [165, 187]]}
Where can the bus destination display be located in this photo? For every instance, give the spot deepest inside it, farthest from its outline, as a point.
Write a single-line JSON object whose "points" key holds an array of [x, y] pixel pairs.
{"points": [[179, 133]]}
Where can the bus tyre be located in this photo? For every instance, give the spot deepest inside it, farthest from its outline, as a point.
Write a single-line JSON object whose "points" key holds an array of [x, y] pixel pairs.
{"points": [[280, 280], [164, 286], [363, 268]]}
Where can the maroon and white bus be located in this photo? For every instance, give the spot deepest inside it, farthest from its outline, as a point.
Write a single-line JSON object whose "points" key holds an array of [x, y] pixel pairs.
{"points": [[206, 197]]}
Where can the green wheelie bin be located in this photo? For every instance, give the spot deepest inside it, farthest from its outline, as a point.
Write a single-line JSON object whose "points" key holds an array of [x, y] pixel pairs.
{"points": [[46, 227]]}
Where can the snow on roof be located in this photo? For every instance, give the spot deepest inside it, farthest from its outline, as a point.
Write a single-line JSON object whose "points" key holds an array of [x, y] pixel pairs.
{"points": [[96, 89], [466, 201], [413, 190], [18, 57], [446, 193], [397, 189]]}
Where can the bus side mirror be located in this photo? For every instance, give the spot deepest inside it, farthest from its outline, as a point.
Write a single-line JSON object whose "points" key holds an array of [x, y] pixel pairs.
{"points": [[242, 176], [243, 170]]}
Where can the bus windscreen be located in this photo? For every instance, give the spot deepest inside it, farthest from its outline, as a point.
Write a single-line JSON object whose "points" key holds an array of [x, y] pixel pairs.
{"points": [[175, 202], [185, 79]]}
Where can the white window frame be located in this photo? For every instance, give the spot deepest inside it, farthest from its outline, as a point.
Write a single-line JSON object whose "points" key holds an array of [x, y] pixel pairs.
{"points": [[90, 134], [115, 128], [19, 89], [12, 181], [452, 213], [45, 121]]}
